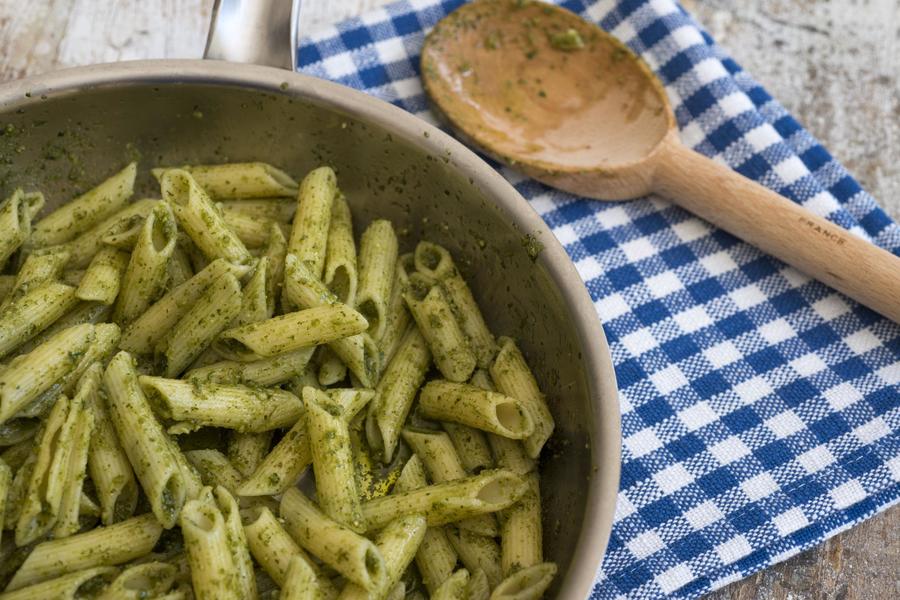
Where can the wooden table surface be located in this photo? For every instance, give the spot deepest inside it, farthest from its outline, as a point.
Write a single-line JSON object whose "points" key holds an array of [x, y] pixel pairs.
{"points": [[833, 63]]}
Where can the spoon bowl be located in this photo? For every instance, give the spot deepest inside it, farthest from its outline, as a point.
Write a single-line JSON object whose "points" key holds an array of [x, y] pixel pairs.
{"points": [[541, 89]]}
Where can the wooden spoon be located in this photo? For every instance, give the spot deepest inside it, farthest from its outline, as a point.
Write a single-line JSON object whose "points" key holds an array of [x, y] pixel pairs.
{"points": [[541, 89]]}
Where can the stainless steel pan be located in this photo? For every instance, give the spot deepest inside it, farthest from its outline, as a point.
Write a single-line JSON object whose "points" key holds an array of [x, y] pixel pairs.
{"points": [[62, 131]]}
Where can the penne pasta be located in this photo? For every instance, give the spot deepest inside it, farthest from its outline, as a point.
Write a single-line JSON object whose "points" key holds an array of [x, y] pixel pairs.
{"points": [[471, 446], [344, 550], [246, 451], [40, 266], [237, 543], [87, 210], [309, 233], [397, 389], [73, 467], [214, 469], [482, 409], [142, 336], [31, 375], [239, 180], [276, 250], [435, 557], [265, 372], [214, 574], [216, 405], [513, 377], [74, 585], [280, 210], [15, 225], [109, 468], [199, 218], [102, 280], [398, 543], [377, 264], [149, 451], [103, 546], [454, 588], [146, 580], [477, 553], [487, 492], [84, 312], [6, 478], [300, 582], [252, 231], [145, 276], [398, 318], [213, 311], [521, 533], [83, 248], [429, 307], [332, 458], [527, 584], [440, 460], [478, 587], [300, 329], [33, 312], [281, 468], [303, 289], [340, 274]]}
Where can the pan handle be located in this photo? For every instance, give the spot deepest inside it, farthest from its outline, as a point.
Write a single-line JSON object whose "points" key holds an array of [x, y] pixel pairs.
{"points": [[261, 32]]}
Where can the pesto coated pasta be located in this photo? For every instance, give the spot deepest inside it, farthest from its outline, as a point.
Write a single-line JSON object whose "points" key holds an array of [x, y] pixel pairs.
{"points": [[174, 372]]}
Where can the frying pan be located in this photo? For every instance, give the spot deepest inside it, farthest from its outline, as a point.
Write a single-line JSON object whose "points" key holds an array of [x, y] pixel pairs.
{"points": [[62, 132]]}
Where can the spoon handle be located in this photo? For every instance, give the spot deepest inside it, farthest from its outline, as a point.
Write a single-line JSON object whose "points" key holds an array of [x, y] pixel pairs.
{"points": [[861, 270]]}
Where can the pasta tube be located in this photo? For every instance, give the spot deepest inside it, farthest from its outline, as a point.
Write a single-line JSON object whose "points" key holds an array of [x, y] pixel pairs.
{"points": [[85, 246], [475, 407], [527, 584], [454, 588], [237, 543], [397, 389], [280, 469], [471, 446], [246, 451], [103, 546], [377, 262], [276, 250], [429, 307], [435, 557], [448, 502], [397, 543], [15, 225], [145, 332], [145, 275], [309, 234], [345, 551], [146, 580], [303, 289], [103, 278], [341, 275], [239, 180], [270, 371], [32, 374], [196, 330], [30, 314], [300, 582], [214, 468], [74, 585], [477, 553], [280, 210], [214, 574], [109, 467], [150, 452], [513, 377], [87, 210], [521, 532], [200, 219], [291, 331], [332, 458], [214, 405]]}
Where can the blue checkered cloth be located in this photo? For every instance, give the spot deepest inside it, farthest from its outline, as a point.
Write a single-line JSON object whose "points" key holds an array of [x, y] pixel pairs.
{"points": [[760, 409]]}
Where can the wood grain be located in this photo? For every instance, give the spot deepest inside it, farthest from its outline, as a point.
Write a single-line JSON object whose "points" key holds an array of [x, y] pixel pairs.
{"points": [[842, 84]]}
